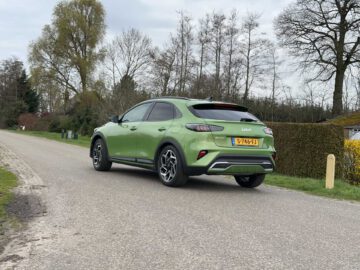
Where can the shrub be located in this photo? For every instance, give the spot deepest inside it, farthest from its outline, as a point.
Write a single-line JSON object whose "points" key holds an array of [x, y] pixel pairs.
{"points": [[85, 114], [28, 120], [59, 123], [43, 123], [352, 161], [302, 148]]}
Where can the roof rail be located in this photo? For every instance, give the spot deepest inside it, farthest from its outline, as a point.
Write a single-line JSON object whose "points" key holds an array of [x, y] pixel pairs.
{"points": [[171, 97]]}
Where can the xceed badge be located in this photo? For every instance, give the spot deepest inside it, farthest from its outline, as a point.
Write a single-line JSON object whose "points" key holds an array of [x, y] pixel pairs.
{"points": [[246, 129]]}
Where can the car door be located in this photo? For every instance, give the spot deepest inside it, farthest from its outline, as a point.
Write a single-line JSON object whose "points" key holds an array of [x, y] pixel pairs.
{"points": [[123, 140], [153, 130]]}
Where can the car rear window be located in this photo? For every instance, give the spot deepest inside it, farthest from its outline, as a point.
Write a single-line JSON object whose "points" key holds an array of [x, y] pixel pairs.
{"points": [[227, 112], [162, 112]]}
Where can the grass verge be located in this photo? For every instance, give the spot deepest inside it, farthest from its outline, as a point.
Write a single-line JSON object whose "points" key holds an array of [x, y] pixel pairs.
{"points": [[342, 190], [81, 141], [7, 181]]}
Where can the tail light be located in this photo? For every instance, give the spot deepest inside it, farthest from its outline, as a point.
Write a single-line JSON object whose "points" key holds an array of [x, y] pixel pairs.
{"points": [[203, 127], [202, 153], [274, 156]]}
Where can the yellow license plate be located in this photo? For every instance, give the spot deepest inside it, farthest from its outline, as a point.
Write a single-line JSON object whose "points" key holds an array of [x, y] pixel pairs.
{"points": [[245, 141]]}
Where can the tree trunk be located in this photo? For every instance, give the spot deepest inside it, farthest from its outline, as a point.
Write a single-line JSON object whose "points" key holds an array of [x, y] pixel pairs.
{"points": [[247, 83], [199, 85], [338, 92]]}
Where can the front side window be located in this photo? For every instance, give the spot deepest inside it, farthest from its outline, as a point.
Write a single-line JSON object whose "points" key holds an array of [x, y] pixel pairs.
{"points": [[137, 114], [162, 112]]}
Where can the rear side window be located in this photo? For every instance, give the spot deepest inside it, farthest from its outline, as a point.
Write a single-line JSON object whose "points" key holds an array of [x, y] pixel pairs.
{"points": [[161, 112], [227, 112]]}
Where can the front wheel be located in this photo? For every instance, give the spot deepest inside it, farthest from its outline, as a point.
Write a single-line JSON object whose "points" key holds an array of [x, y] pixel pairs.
{"points": [[99, 156], [170, 167], [250, 181]]}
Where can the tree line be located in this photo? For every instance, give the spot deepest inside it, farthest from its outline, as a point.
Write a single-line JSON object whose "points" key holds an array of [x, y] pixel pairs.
{"points": [[225, 56]]}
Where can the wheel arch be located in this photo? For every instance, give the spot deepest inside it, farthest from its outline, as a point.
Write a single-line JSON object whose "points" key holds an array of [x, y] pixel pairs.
{"points": [[98, 135], [173, 143]]}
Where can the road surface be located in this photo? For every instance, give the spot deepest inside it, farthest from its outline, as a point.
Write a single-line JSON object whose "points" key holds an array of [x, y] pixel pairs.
{"points": [[126, 219]]}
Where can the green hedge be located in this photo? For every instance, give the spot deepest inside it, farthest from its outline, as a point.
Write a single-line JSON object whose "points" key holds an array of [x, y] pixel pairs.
{"points": [[302, 148]]}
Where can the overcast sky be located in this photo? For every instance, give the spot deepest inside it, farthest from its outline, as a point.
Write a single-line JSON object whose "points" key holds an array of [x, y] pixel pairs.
{"points": [[21, 21]]}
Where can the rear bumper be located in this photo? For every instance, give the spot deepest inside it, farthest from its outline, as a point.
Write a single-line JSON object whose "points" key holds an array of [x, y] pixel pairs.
{"points": [[235, 164]]}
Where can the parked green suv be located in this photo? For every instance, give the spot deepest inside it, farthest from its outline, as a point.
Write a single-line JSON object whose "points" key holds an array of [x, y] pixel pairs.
{"points": [[180, 137]]}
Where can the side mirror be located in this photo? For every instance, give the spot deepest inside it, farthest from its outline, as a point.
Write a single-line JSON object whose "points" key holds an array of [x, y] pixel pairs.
{"points": [[114, 119]]}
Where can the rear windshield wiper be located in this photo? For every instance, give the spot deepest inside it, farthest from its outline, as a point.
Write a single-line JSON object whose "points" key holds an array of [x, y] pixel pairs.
{"points": [[247, 120]]}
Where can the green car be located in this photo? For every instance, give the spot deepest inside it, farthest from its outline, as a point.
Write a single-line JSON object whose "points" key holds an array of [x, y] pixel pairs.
{"points": [[180, 137]]}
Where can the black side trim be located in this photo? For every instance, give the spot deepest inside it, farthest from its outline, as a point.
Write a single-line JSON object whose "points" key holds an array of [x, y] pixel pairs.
{"points": [[144, 160], [119, 159], [132, 159], [142, 163]]}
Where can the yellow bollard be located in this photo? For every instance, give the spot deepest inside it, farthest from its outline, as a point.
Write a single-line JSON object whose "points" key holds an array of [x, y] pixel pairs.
{"points": [[330, 171]]}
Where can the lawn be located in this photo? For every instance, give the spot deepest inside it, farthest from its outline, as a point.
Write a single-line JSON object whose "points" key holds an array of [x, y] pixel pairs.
{"points": [[342, 190], [7, 182], [81, 141]]}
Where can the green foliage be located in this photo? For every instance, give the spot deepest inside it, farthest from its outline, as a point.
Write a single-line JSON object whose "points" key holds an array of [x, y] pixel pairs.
{"points": [[59, 123], [13, 111], [85, 114], [31, 99], [302, 149], [27, 94], [341, 190], [346, 120], [79, 25], [7, 182]]}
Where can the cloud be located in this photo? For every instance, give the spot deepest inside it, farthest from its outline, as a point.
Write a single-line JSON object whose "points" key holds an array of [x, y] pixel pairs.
{"points": [[22, 21]]}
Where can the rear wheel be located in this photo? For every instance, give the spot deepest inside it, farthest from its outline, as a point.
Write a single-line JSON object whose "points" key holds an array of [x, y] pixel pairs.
{"points": [[99, 156], [250, 181], [170, 167]]}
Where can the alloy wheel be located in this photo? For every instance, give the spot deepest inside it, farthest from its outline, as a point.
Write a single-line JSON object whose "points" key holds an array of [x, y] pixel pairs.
{"points": [[97, 154], [168, 165]]}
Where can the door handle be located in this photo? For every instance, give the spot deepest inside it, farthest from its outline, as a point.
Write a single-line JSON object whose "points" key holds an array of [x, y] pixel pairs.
{"points": [[162, 129], [133, 128]]}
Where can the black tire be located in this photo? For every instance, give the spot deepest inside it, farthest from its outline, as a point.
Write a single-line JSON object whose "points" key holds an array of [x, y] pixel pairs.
{"points": [[250, 181], [99, 156], [170, 167]]}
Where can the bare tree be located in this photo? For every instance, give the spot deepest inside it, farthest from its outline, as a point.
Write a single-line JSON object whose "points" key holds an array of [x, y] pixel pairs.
{"points": [[274, 63], [129, 53], [324, 36], [203, 39], [253, 47], [231, 52], [184, 58], [217, 41], [163, 68]]}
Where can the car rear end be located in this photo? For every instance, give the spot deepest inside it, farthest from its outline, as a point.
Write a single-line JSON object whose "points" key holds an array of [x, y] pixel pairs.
{"points": [[223, 138]]}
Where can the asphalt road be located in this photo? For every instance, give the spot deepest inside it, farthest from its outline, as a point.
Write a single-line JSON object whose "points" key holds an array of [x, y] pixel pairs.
{"points": [[126, 219]]}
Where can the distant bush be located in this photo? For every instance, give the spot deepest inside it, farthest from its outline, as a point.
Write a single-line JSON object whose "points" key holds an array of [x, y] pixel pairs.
{"points": [[85, 114], [29, 120], [302, 148], [59, 123], [352, 161]]}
